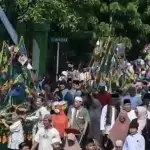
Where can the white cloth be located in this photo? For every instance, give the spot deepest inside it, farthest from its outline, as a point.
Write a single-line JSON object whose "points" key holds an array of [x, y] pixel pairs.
{"points": [[65, 73], [73, 111], [82, 76], [103, 126], [56, 140], [45, 137], [40, 113], [134, 142], [29, 66], [16, 135], [62, 78], [76, 75], [148, 114], [131, 115]]}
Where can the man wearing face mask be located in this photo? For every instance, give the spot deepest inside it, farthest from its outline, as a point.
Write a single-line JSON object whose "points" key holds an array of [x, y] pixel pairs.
{"points": [[59, 119]]}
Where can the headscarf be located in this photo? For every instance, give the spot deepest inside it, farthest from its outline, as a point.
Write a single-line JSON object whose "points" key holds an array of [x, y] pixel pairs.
{"points": [[119, 130], [141, 118], [75, 146]]}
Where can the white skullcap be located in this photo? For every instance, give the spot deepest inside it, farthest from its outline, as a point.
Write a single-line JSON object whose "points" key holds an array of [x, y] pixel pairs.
{"points": [[77, 98], [62, 103], [65, 73], [143, 72], [119, 143], [128, 64], [56, 140]]}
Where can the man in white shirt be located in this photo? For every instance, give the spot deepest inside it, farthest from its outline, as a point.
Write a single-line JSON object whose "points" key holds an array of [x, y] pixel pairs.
{"points": [[108, 117], [45, 135], [39, 115], [16, 132], [79, 116], [109, 114]]}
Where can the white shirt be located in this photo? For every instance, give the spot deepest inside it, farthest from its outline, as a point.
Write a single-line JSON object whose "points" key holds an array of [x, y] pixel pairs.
{"points": [[134, 142], [41, 112], [103, 126], [131, 115], [82, 76], [73, 111], [44, 138], [148, 114], [16, 135]]}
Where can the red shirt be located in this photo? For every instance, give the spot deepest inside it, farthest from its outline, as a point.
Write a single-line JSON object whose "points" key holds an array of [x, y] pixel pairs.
{"points": [[60, 122], [104, 98]]}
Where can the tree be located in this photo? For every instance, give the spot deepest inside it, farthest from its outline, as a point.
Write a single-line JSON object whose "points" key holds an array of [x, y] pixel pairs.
{"points": [[127, 20]]}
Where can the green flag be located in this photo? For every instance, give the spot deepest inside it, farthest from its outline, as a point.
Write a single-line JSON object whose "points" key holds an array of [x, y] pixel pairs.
{"points": [[21, 45]]}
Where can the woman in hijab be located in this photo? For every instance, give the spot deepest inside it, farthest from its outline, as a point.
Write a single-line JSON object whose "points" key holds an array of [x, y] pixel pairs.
{"points": [[71, 143], [95, 109], [146, 103], [144, 125], [119, 130]]}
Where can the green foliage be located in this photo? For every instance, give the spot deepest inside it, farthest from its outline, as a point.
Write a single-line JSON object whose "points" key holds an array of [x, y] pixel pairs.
{"points": [[128, 19]]}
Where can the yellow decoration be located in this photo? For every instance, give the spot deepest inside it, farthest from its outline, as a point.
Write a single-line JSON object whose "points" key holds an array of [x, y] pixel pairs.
{"points": [[5, 70], [19, 77], [5, 59], [27, 90], [64, 107], [2, 53], [16, 49]]}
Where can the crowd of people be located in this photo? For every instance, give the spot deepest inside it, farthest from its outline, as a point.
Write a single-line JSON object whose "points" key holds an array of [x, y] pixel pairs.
{"points": [[70, 116]]}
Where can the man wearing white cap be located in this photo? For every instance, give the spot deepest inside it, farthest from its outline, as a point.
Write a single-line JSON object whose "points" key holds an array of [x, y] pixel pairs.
{"points": [[79, 116], [44, 137], [56, 144], [63, 76]]}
